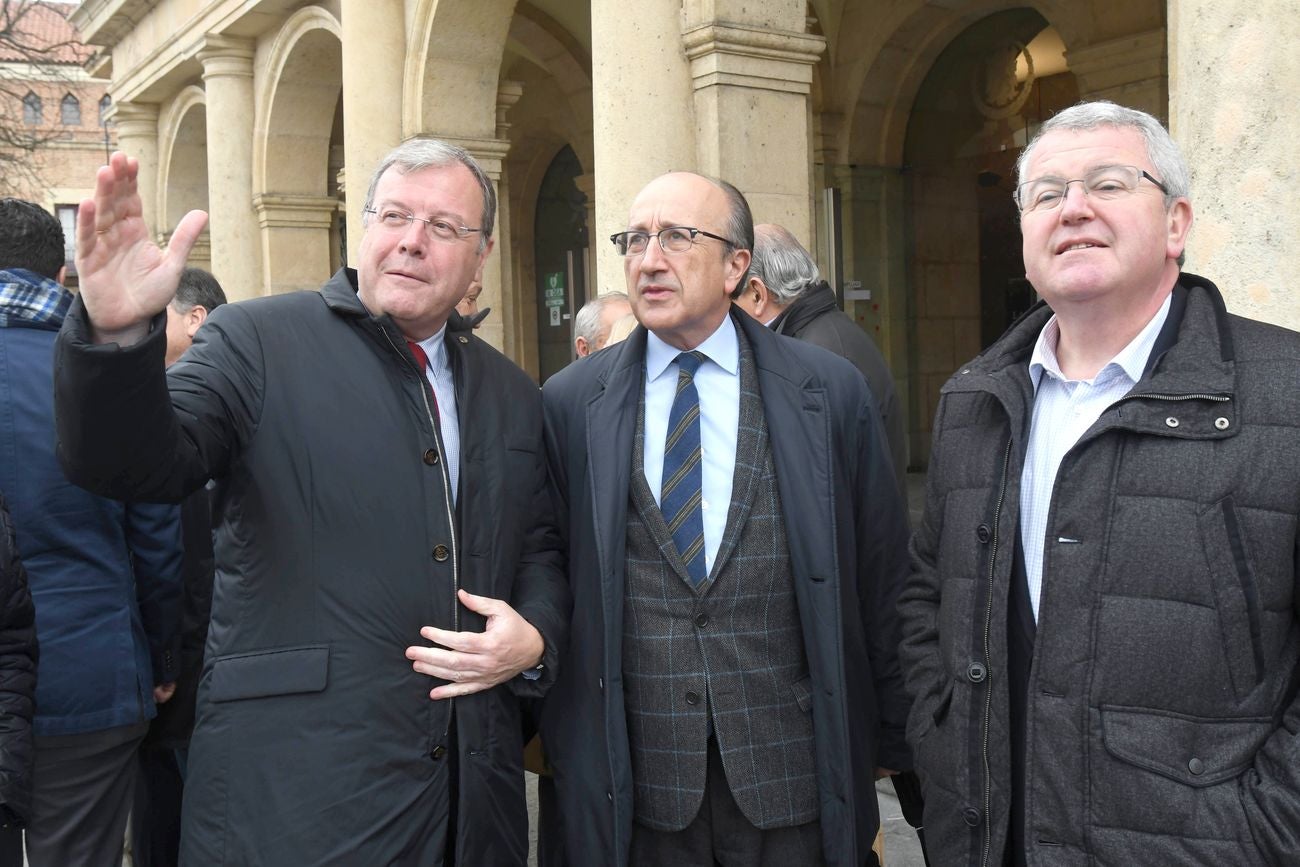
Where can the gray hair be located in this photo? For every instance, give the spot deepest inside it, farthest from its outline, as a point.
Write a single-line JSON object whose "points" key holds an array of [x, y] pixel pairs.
{"points": [[1162, 152], [586, 324], [198, 288], [416, 154], [782, 263]]}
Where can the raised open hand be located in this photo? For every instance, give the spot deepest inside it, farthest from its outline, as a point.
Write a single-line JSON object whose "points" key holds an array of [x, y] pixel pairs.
{"points": [[125, 279]]}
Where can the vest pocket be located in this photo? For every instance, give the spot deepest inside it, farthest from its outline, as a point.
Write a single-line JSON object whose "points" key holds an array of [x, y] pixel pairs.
{"points": [[1236, 594], [282, 671]]}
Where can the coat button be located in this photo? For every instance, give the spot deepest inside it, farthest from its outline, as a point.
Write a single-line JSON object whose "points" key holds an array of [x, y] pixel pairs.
{"points": [[1196, 766], [701, 620], [1171, 421], [431, 456], [1221, 423], [440, 552], [438, 752], [976, 672], [970, 816], [983, 533], [463, 339], [692, 698]]}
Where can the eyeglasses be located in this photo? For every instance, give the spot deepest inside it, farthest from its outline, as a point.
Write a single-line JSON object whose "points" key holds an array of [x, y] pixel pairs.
{"points": [[1107, 182], [672, 239], [438, 228]]}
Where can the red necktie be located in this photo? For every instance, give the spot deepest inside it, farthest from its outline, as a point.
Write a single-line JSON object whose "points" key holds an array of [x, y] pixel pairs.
{"points": [[422, 359]]}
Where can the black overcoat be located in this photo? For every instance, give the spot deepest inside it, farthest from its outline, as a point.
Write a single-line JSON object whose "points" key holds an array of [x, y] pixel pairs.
{"points": [[847, 535], [315, 741]]}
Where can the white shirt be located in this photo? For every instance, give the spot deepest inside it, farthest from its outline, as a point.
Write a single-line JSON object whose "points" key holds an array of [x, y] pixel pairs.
{"points": [[1064, 409], [718, 384], [438, 372]]}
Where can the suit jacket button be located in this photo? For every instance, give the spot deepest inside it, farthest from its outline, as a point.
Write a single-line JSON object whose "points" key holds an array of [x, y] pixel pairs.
{"points": [[701, 620], [431, 456], [692, 698], [440, 553]]}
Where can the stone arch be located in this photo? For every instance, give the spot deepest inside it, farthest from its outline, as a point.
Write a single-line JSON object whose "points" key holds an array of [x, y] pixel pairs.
{"points": [[294, 175], [183, 166], [453, 61]]}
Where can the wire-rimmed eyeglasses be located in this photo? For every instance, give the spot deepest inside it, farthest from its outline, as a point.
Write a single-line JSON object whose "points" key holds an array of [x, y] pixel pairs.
{"points": [[1105, 182], [672, 239], [438, 228]]}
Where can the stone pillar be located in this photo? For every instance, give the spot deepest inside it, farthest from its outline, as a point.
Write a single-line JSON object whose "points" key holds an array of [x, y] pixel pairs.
{"points": [[374, 49], [642, 125], [137, 136], [1129, 70], [1232, 72], [228, 84], [504, 326], [491, 154], [295, 240], [751, 86]]}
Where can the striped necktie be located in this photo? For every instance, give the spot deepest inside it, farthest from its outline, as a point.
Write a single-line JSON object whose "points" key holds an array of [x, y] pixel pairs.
{"points": [[681, 493]]}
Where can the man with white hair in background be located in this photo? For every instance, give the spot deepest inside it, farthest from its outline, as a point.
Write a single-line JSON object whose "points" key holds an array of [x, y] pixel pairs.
{"points": [[785, 291], [592, 324]]}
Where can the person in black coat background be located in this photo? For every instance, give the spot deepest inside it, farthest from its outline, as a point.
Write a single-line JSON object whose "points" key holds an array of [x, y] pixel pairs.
{"points": [[17, 688]]}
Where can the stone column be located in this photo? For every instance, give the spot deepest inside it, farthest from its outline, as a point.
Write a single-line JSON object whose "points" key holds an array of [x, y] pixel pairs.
{"points": [[586, 185], [751, 80], [1232, 74], [642, 124], [137, 136], [228, 84], [1129, 70], [374, 51], [490, 154], [295, 240]]}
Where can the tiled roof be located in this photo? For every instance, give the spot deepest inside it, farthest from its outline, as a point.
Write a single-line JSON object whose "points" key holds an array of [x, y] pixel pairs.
{"points": [[38, 31]]}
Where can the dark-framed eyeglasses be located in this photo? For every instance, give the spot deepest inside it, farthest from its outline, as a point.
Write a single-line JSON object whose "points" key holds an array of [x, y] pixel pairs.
{"points": [[672, 239], [1106, 182], [438, 228]]}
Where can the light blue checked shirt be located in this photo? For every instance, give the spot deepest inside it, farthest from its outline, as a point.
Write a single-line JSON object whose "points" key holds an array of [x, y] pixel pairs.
{"points": [[718, 383], [438, 372], [1064, 409]]}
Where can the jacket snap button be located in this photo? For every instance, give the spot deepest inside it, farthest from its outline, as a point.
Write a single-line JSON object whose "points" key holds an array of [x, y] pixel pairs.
{"points": [[976, 672], [438, 752], [701, 620], [431, 456], [983, 533], [440, 553], [1196, 766], [970, 816], [1171, 421], [1221, 423], [692, 698], [463, 339]]}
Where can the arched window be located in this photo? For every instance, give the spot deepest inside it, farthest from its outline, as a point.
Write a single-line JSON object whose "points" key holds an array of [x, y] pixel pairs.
{"points": [[103, 108], [32, 113], [70, 111]]}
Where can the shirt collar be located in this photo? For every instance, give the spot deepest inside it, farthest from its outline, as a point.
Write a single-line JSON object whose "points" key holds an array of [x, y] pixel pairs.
{"points": [[1131, 361], [722, 347], [436, 348]]}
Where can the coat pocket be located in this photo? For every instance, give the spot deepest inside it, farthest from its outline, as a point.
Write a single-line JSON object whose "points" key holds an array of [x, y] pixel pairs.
{"points": [[1194, 751], [281, 671], [1236, 593]]}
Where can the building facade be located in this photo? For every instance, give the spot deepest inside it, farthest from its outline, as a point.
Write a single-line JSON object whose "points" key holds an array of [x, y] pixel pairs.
{"points": [[54, 129], [882, 132]]}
